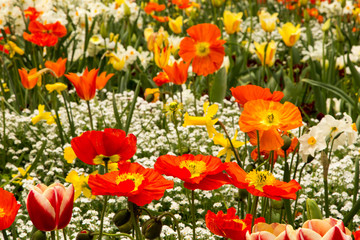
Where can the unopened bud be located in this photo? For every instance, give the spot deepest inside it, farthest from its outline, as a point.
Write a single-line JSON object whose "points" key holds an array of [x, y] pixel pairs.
{"points": [[103, 30], [250, 167], [122, 220], [277, 204], [326, 26], [84, 235], [312, 210], [287, 142], [339, 36], [39, 235], [151, 229]]}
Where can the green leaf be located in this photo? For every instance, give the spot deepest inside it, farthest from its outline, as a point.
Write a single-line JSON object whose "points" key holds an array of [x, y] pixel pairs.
{"points": [[116, 113], [219, 87], [354, 73]]}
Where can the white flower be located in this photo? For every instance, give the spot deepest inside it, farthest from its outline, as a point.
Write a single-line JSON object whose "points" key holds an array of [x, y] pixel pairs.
{"points": [[311, 142]]}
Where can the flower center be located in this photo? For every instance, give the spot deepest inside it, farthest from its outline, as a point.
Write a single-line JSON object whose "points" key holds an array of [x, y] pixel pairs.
{"points": [[241, 222], [311, 141], [270, 118], [173, 106], [2, 213], [99, 159], [196, 168], [259, 179], [137, 178], [202, 49]]}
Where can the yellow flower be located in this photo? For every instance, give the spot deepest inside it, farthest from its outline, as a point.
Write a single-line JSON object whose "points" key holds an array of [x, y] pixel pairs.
{"points": [[5, 87], [269, 59], [80, 183], [20, 176], [207, 120], [69, 154], [162, 55], [152, 94], [232, 21], [220, 140], [161, 38], [59, 87], [115, 61], [176, 24], [42, 115], [13, 48], [290, 34], [267, 21], [173, 110]]}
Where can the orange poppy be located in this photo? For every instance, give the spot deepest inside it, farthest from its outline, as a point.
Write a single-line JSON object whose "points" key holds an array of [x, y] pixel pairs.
{"points": [[153, 6], [28, 79], [31, 13], [112, 145], [243, 94], [8, 209], [161, 79], [268, 117], [198, 172], [160, 18], [85, 85], [102, 80], [58, 67], [141, 185], [204, 48], [229, 225], [182, 4], [177, 73], [44, 35], [262, 183]]}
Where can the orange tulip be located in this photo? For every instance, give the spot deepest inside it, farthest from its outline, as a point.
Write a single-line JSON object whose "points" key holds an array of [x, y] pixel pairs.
{"points": [[85, 85], [58, 67], [102, 80], [28, 80]]}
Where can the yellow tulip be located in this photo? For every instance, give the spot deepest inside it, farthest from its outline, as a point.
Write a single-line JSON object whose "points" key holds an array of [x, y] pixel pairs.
{"points": [[162, 55], [290, 34], [270, 52], [267, 21], [176, 24], [232, 21]]}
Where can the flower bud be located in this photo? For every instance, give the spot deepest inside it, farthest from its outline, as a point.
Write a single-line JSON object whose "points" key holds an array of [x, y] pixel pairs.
{"points": [[277, 204], [151, 229], [250, 167], [84, 235], [103, 30], [339, 36], [122, 220], [312, 210], [243, 193], [326, 26], [287, 142], [39, 235]]}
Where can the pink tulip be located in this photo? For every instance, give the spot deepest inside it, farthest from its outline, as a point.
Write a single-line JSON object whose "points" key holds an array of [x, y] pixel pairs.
{"points": [[263, 235], [336, 233], [50, 208], [322, 227]]}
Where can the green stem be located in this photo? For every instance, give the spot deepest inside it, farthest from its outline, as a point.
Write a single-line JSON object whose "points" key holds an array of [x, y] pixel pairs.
{"points": [[291, 71], [258, 145], [238, 160], [5, 235], [52, 235], [64, 233], [134, 217], [298, 192], [113, 235], [326, 189], [253, 209], [176, 223], [104, 207], [178, 135], [193, 213], [90, 115]]}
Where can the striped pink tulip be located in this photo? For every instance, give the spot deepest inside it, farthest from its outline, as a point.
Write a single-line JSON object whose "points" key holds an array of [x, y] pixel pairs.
{"points": [[50, 208]]}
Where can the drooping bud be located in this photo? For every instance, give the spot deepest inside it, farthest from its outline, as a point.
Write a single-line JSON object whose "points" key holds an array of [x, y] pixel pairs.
{"points": [[39, 235], [122, 220], [85, 235], [287, 142], [151, 229]]}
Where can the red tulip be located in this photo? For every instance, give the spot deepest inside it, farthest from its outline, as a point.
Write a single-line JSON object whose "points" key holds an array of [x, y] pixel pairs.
{"points": [[50, 208]]}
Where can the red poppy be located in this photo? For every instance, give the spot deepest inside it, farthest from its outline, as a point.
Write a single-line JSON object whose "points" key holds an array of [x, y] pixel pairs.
{"points": [[102, 80], [261, 183], [357, 235], [28, 79], [58, 67], [153, 6], [243, 94], [32, 13], [204, 48], [2, 48], [229, 225], [44, 35], [141, 185], [161, 79], [95, 147], [177, 73], [160, 18], [182, 4], [85, 85], [8, 209], [197, 172]]}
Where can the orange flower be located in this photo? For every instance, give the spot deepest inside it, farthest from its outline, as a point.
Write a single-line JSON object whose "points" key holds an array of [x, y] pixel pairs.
{"points": [[182, 4], [198, 172], [177, 73], [141, 185], [8, 209], [268, 117], [31, 13], [229, 225], [204, 48], [85, 85], [44, 35], [58, 67], [243, 94], [28, 80], [160, 18], [152, 6], [102, 80], [261, 183], [161, 79]]}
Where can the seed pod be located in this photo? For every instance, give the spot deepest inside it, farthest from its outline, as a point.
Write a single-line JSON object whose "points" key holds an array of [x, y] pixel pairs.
{"points": [[84, 235], [151, 229], [39, 235]]}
